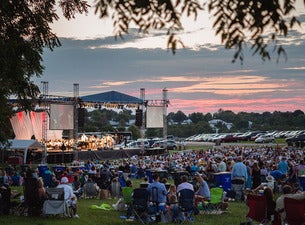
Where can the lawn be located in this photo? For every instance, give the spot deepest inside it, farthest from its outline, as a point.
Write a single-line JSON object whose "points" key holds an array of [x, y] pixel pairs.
{"points": [[233, 216]]}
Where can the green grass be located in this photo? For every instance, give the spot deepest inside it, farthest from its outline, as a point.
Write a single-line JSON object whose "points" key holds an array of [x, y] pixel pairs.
{"points": [[233, 216]]}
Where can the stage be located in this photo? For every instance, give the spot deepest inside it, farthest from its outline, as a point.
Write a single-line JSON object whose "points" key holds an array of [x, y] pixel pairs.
{"points": [[85, 155]]}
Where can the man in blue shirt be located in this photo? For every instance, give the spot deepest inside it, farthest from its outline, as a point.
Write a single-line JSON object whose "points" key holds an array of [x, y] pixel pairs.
{"points": [[239, 177], [157, 190], [203, 192], [157, 195], [283, 165], [239, 170]]}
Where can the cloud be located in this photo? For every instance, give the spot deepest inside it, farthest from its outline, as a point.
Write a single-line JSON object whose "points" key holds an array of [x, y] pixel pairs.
{"points": [[295, 68], [197, 80]]}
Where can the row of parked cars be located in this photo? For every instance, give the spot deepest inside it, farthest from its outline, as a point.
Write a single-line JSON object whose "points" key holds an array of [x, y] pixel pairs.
{"points": [[256, 136], [169, 144]]}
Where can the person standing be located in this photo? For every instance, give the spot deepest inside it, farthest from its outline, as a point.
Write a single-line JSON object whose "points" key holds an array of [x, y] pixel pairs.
{"points": [[256, 175], [283, 165], [239, 176], [239, 170]]}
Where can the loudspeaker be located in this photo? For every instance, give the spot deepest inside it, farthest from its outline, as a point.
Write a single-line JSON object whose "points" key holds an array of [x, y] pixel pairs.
{"points": [[139, 117], [81, 117]]}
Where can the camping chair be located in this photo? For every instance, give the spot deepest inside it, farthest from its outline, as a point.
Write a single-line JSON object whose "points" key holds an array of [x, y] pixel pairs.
{"points": [[127, 197], [90, 190], [257, 208], [216, 200], [186, 203], [140, 198], [56, 203], [295, 211], [156, 209]]}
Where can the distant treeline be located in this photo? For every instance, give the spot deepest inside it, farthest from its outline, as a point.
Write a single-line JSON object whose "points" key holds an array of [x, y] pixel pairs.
{"points": [[182, 125], [241, 122]]}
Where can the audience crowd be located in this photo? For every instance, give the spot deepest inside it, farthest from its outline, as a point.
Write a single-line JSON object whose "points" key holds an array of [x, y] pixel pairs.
{"points": [[251, 164]]}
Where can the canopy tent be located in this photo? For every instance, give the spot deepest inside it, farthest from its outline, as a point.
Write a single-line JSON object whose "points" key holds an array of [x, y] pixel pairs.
{"points": [[111, 97], [23, 145]]}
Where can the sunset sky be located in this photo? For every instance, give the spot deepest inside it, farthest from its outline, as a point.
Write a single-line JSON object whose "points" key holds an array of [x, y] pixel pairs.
{"points": [[199, 78]]}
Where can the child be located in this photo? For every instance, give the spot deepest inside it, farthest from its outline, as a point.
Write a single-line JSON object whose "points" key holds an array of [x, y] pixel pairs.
{"points": [[176, 214]]}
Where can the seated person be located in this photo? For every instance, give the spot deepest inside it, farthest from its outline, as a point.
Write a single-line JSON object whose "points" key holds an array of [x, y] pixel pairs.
{"points": [[287, 192], [276, 173], [158, 197], [42, 195], [185, 184], [77, 185], [203, 192], [268, 193], [176, 214], [70, 197], [172, 190]]}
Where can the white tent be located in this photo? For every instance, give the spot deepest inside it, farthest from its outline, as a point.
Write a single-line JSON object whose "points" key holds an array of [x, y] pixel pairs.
{"points": [[24, 145]]}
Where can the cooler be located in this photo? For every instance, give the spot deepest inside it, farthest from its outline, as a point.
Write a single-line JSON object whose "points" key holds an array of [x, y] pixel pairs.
{"points": [[223, 179], [42, 168]]}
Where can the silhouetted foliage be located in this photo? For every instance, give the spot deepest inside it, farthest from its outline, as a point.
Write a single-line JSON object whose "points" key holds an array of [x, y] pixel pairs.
{"points": [[257, 23]]}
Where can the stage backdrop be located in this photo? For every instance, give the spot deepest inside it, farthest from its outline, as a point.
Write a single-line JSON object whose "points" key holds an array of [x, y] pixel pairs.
{"points": [[25, 125], [154, 117], [61, 117]]}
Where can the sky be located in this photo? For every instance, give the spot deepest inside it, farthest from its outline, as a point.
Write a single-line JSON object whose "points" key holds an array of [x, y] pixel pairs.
{"points": [[198, 78]]}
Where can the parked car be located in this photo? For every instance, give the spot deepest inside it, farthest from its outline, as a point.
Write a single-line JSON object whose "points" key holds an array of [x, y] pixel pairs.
{"points": [[171, 145], [298, 139], [253, 138], [134, 144], [264, 139], [228, 138], [247, 136]]}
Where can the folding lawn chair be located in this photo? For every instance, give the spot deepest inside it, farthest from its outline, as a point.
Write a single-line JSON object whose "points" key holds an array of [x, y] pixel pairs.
{"points": [[56, 203], [216, 200], [127, 197], [295, 211], [186, 203], [140, 199], [90, 190], [257, 208]]}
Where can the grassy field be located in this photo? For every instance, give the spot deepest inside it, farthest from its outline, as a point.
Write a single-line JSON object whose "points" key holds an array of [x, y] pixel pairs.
{"points": [[233, 216]]}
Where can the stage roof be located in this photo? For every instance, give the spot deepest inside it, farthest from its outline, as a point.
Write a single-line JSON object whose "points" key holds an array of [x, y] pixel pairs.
{"points": [[111, 97], [24, 144]]}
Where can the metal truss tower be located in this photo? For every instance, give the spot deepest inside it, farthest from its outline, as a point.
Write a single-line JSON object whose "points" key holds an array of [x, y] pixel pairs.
{"points": [[45, 90], [165, 104], [75, 130]]}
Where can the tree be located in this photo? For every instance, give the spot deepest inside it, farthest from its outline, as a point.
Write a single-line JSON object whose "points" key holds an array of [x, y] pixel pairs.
{"points": [[237, 22], [179, 117], [136, 133], [25, 32], [196, 117]]}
